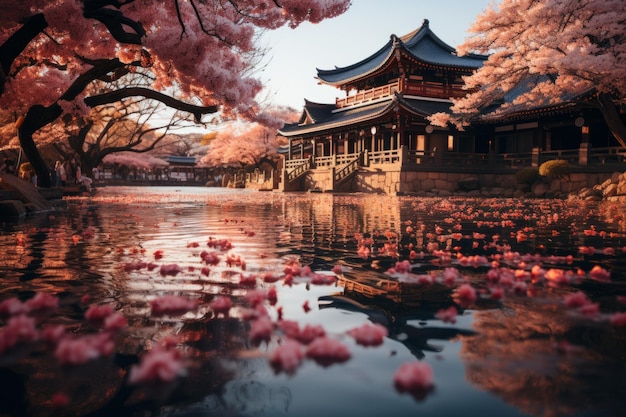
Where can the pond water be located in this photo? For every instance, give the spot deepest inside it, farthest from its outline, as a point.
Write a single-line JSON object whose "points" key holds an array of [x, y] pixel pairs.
{"points": [[538, 287]]}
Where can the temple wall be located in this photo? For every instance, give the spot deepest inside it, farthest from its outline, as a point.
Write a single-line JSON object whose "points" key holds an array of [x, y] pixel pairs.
{"points": [[398, 182]]}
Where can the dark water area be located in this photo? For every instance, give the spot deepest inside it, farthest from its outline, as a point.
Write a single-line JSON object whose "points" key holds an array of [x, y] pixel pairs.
{"points": [[543, 333]]}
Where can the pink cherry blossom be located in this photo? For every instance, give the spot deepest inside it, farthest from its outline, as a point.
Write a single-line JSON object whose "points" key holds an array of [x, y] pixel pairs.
{"points": [[171, 304], [414, 377], [287, 357], [157, 366], [221, 305], [447, 315], [326, 351], [261, 329], [369, 334]]}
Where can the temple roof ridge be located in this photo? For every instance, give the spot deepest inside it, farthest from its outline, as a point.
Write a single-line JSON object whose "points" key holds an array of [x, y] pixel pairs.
{"points": [[422, 44]]}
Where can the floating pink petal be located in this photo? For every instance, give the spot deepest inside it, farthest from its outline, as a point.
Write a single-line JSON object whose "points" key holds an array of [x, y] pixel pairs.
{"points": [[221, 305], [309, 333], [575, 300], [80, 350], [447, 315], [618, 319], [12, 306], [414, 377], [172, 304], [19, 329], [98, 312], [261, 329], [369, 334], [600, 274], [169, 269], [157, 366], [326, 351], [42, 301], [287, 357], [114, 322], [466, 295]]}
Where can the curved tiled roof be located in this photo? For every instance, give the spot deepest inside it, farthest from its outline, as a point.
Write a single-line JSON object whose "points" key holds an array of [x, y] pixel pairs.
{"points": [[421, 44], [332, 119]]}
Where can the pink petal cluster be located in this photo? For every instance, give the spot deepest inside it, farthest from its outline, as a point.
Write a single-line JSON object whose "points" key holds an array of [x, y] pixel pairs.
{"points": [[172, 304], [447, 315], [287, 357], [413, 376], [19, 329], [221, 305], [369, 334], [156, 366], [326, 351], [80, 350]]}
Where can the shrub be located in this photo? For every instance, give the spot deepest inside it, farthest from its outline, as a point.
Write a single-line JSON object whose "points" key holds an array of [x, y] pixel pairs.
{"points": [[527, 176], [556, 168]]}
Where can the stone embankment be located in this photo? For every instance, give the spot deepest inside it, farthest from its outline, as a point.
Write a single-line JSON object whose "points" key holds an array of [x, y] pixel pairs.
{"points": [[19, 197]]}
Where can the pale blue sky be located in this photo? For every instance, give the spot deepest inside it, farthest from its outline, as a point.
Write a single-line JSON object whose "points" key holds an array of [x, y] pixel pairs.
{"points": [[296, 53]]}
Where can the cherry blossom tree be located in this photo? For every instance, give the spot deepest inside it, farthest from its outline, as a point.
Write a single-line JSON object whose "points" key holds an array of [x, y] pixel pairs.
{"points": [[564, 49], [50, 52], [248, 144]]}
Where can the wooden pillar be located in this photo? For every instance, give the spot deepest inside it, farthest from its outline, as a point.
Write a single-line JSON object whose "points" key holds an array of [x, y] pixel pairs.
{"points": [[290, 151]]}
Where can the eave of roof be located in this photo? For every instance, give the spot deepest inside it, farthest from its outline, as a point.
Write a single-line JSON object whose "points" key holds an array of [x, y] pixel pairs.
{"points": [[421, 45], [420, 107]]}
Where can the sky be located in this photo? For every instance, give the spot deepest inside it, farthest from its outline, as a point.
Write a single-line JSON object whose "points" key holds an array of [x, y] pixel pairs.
{"points": [[294, 55]]}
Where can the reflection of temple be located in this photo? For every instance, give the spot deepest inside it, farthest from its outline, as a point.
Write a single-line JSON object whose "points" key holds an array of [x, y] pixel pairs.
{"points": [[321, 221], [396, 305], [378, 138]]}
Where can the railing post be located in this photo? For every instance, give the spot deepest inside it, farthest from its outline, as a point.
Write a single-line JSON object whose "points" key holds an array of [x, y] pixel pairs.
{"points": [[438, 155], [534, 159], [404, 155], [583, 154], [366, 158]]}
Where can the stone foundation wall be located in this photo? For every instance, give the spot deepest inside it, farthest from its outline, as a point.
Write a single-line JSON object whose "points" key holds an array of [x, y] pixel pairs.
{"points": [[398, 182]]}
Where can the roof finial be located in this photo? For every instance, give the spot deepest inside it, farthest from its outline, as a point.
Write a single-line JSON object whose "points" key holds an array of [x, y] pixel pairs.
{"points": [[425, 22]]}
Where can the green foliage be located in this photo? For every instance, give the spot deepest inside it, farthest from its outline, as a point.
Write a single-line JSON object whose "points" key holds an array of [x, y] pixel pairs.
{"points": [[527, 176], [556, 168]]}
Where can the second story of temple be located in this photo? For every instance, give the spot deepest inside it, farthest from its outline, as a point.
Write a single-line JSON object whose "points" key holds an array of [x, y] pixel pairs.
{"points": [[418, 65]]}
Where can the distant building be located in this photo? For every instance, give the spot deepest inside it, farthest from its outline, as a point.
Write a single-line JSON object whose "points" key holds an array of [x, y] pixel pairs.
{"points": [[378, 138]]}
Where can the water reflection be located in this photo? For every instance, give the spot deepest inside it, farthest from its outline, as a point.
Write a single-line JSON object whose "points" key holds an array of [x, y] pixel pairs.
{"points": [[527, 349]]}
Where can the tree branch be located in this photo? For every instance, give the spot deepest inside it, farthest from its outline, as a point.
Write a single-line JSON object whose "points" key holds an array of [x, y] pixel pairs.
{"points": [[122, 93]]}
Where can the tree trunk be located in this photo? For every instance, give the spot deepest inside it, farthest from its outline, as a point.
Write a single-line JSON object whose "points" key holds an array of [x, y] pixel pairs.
{"points": [[37, 117], [612, 118]]}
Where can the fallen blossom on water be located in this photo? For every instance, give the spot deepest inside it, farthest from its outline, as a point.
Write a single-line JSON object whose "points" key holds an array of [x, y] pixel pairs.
{"points": [[261, 329], [465, 295], [618, 319], [169, 269], [42, 301], [414, 377], [326, 351], [18, 329], [171, 304], [369, 334], [115, 321], [98, 312], [221, 305], [80, 350], [287, 357], [157, 365], [600, 274], [309, 333], [575, 300], [447, 315], [12, 306]]}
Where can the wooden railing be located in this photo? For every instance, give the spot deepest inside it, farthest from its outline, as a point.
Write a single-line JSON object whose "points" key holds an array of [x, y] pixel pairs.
{"points": [[299, 170], [345, 171], [368, 95], [384, 157]]}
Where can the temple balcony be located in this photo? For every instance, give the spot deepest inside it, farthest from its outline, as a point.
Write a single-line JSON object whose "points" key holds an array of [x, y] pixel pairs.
{"points": [[407, 87]]}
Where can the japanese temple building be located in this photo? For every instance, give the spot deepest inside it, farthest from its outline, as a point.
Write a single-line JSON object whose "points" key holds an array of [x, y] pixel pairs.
{"points": [[377, 138]]}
